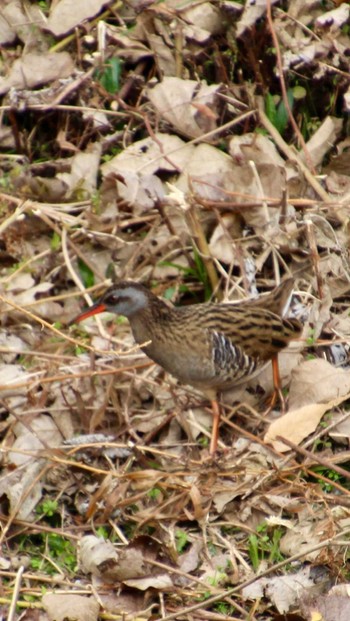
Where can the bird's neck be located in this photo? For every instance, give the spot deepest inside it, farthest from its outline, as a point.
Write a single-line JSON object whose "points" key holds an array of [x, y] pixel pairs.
{"points": [[150, 320]]}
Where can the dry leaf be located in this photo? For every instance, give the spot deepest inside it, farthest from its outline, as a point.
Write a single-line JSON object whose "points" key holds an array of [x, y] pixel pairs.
{"points": [[323, 139], [284, 591], [303, 536], [66, 14], [164, 54], [161, 582], [35, 69], [23, 489], [296, 425], [189, 561], [222, 244], [17, 20], [82, 179], [333, 20], [145, 157], [255, 147], [128, 46], [68, 607], [201, 21], [141, 191], [175, 100], [129, 605], [13, 383], [40, 433], [96, 554], [327, 608], [317, 381], [252, 12]]}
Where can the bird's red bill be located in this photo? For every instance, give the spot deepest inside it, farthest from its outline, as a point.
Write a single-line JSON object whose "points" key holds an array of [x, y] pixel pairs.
{"points": [[93, 310]]}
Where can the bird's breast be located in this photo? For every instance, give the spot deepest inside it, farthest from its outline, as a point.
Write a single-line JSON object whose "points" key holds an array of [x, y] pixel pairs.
{"points": [[198, 356]]}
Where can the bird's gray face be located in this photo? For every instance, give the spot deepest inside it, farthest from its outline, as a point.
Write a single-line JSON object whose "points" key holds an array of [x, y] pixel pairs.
{"points": [[125, 301]]}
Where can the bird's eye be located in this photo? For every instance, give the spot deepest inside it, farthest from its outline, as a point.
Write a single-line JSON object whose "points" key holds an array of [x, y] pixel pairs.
{"points": [[112, 299]]}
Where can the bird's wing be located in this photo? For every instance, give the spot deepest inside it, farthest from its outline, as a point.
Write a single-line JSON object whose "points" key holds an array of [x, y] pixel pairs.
{"points": [[256, 334]]}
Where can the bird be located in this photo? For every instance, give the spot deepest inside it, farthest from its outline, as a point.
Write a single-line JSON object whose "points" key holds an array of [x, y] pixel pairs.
{"points": [[210, 346]]}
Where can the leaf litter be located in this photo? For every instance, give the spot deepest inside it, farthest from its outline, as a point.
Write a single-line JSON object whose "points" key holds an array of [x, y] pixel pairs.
{"points": [[200, 149]]}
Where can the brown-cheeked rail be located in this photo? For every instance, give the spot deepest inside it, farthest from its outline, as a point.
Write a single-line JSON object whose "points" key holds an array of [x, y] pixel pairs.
{"points": [[213, 347]]}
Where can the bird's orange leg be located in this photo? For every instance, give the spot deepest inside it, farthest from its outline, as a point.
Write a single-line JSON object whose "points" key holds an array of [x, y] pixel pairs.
{"points": [[215, 428], [277, 392]]}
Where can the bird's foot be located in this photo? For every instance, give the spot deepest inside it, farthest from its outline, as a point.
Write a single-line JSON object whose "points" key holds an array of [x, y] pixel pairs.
{"points": [[277, 396]]}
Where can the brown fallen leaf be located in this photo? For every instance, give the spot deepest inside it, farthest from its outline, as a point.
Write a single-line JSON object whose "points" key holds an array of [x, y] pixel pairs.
{"points": [[185, 104], [296, 425], [35, 69], [63, 607], [326, 608], [317, 381], [64, 16]]}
